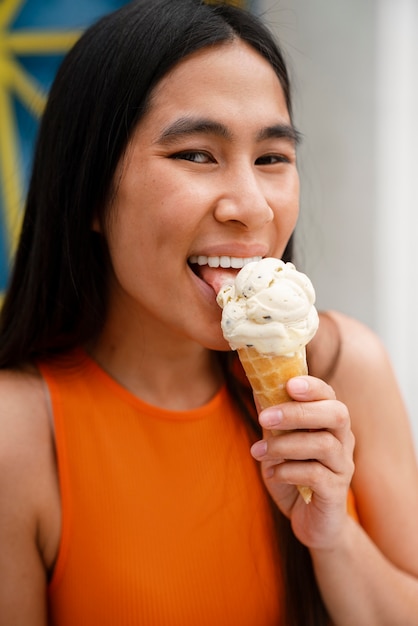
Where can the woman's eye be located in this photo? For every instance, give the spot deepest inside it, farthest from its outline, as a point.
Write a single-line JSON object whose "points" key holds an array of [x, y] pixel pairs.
{"points": [[272, 159], [194, 156]]}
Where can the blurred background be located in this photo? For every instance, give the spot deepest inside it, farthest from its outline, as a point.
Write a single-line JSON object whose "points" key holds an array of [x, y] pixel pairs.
{"points": [[34, 36], [355, 78], [354, 66]]}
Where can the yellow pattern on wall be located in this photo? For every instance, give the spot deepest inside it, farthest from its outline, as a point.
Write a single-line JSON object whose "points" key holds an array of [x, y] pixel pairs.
{"points": [[16, 82]]}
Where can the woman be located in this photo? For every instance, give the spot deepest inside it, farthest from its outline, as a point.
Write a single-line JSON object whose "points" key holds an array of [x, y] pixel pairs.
{"points": [[128, 491]]}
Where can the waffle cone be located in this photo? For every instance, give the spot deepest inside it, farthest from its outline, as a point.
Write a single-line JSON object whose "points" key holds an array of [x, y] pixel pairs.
{"points": [[268, 375]]}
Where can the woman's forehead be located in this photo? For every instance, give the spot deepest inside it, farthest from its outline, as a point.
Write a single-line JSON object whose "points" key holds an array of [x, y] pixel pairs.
{"points": [[228, 74]]}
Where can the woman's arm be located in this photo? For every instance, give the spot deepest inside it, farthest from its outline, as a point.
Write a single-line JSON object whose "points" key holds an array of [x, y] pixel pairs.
{"points": [[360, 585], [385, 484], [367, 574], [28, 501]]}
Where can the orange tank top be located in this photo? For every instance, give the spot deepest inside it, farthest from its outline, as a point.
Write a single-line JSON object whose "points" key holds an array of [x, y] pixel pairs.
{"points": [[165, 521]]}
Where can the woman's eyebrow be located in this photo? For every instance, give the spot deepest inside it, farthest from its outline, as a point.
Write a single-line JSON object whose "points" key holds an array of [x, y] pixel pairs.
{"points": [[192, 126], [280, 131]]}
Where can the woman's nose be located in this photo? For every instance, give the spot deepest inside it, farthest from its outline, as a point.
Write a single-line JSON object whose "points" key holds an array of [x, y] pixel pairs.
{"points": [[244, 201]]}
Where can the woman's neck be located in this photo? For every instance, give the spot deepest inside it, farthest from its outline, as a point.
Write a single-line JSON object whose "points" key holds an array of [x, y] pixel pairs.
{"points": [[176, 375]]}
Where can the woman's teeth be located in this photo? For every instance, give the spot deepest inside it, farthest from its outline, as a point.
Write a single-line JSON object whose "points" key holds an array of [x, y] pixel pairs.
{"points": [[222, 261]]}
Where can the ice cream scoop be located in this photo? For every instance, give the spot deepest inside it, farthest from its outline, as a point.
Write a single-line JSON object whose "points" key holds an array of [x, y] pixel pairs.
{"points": [[270, 307], [269, 316]]}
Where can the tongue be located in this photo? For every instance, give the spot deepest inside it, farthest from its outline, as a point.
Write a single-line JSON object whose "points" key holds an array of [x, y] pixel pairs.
{"points": [[216, 277]]}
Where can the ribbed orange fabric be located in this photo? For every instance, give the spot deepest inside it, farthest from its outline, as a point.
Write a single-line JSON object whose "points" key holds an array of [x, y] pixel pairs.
{"points": [[165, 521]]}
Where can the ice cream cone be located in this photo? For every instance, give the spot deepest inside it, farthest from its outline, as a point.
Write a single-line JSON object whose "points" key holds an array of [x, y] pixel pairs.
{"points": [[268, 375], [269, 317]]}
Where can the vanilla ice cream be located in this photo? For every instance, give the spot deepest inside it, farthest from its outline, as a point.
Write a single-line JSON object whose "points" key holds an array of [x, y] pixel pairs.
{"points": [[269, 307]]}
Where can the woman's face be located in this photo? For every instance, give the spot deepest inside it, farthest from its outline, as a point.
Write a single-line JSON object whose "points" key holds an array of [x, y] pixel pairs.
{"points": [[209, 178]]}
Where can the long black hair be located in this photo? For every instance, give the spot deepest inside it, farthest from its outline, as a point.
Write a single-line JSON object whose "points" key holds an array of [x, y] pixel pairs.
{"points": [[57, 297]]}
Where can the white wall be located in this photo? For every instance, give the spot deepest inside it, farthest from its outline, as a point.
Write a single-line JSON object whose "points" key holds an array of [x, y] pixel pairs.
{"points": [[397, 198], [354, 65]]}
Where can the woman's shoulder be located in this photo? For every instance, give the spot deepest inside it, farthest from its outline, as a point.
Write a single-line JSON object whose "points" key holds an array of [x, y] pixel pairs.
{"points": [[28, 478], [343, 343], [23, 407], [364, 379], [25, 422], [25, 431]]}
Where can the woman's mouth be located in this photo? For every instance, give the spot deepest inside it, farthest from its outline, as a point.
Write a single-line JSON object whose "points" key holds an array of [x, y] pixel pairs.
{"points": [[218, 270], [222, 261]]}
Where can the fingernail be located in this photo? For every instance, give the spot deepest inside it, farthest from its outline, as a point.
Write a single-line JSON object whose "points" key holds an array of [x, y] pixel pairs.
{"points": [[259, 449], [298, 385], [271, 418]]}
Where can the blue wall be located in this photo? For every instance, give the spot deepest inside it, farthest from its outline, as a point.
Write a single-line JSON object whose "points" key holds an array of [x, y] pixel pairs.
{"points": [[38, 16]]}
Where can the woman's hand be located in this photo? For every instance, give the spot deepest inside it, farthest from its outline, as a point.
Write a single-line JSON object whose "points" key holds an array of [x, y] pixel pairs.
{"points": [[313, 446]]}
